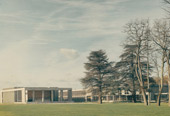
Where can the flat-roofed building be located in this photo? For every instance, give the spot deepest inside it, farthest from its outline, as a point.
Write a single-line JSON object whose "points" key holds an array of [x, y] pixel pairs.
{"points": [[36, 95], [79, 95]]}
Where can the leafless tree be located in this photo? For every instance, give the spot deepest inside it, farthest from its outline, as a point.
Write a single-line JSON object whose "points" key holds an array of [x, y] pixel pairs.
{"points": [[166, 8], [161, 37], [168, 67], [136, 35]]}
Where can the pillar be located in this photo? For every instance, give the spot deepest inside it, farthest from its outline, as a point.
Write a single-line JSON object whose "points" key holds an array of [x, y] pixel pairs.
{"points": [[92, 98], [85, 98], [55, 94], [23, 95], [42, 96], [69, 95], [107, 98], [33, 96], [52, 96], [113, 98], [61, 95], [26, 96]]}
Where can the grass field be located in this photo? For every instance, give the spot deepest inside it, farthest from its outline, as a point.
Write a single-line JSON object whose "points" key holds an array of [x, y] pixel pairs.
{"points": [[112, 109]]}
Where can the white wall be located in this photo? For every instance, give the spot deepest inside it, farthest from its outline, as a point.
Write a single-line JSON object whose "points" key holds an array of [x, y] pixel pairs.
{"points": [[0, 96]]}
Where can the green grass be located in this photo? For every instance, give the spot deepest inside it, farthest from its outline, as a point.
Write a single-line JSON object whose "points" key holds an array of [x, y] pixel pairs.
{"points": [[112, 109]]}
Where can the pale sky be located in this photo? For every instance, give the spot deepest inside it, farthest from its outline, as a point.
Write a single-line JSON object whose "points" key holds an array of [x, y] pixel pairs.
{"points": [[46, 42]]}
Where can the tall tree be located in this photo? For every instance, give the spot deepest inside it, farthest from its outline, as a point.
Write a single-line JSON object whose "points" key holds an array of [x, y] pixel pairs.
{"points": [[166, 8], [168, 65], [136, 35], [161, 37], [99, 72], [147, 52], [167, 2], [126, 69]]}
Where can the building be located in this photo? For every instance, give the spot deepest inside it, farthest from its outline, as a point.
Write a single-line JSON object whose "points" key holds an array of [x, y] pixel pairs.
{"points": [[120, 96], [83, 95], [62, 95], [36, 95]]}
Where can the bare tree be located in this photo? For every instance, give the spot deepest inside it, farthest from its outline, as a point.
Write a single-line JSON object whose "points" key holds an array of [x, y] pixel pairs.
{"points": [[166, 7], [168, 65], [161, 34], [167, 1], [147, 52], [136, 35]]}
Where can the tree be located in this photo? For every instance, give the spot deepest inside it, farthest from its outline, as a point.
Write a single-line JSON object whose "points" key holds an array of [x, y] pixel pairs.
{"points": [[168, 65], [168, 54], [161, 37], [126, 69], [167, 3], [137, 31], [147, 51], [99, 73]]}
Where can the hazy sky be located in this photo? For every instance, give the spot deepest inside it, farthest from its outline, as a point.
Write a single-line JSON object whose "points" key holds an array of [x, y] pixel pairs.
{"points": [[46, 42]]}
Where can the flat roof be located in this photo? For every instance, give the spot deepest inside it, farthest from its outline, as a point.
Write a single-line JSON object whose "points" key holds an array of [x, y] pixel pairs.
{"points": [[12, 88], [37, 88]]}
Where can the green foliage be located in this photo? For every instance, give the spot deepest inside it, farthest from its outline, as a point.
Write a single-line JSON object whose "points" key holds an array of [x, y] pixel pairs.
{"points": [[99, 71]]}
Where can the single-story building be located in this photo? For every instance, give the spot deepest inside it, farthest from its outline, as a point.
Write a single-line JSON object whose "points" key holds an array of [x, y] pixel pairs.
{"points": [[83, 95], [36, 95]]}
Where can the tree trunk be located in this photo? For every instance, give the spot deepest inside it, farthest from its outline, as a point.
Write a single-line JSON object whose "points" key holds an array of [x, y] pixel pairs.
{"points": [[149, 97], [169, 89], [162, 75], [100, 99], [134, 97], [159, 97], [168, 75], [144, 96], [134, 92], [139, 76], [148, 77], [142, 83]]}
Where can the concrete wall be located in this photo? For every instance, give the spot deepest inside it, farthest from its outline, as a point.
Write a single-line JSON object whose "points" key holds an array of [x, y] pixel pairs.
{"points": [[8, 97], [0, 96], [35, 94]]}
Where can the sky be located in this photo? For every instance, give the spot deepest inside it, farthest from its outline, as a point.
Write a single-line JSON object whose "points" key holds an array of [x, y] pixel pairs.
{"points": [[45, 43]]}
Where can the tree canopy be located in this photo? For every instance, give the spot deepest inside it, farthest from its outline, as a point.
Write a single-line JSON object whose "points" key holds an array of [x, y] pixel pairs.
{"points": [[98, 73]]}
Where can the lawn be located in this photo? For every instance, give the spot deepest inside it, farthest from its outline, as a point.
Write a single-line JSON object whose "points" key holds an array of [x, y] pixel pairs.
{"points": [[112, 109]]}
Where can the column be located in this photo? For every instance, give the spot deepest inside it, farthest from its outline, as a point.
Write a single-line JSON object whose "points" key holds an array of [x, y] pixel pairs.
{"points": [[92, 98], [61, 95], [52, 96], [42, 96], [85, 98], [69, 95], [33, 96], [120, 97], [107, 98], [55, 94], [23, 95], [151, 96], [26, 96]]}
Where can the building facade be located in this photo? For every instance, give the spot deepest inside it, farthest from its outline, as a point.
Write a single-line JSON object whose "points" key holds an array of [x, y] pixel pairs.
{"points": [[36, 95], [121, 95], [62, 95]]}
